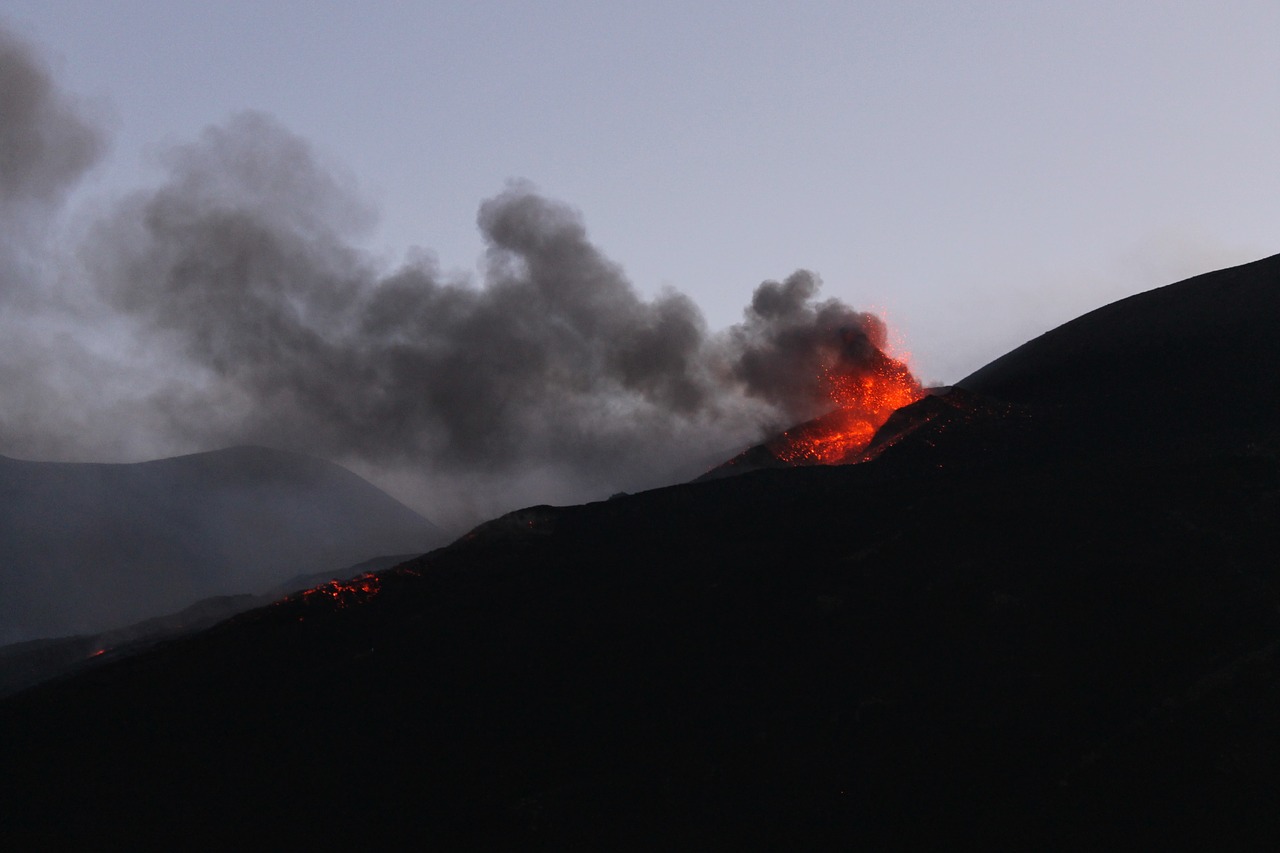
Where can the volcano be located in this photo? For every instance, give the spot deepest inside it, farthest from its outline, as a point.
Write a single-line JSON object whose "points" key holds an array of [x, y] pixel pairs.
{"points": [[861, 399], [1043, 614]]}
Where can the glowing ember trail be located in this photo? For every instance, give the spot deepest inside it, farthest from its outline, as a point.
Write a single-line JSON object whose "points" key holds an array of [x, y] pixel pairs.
{"points": [[343, 593], [865, 399]]}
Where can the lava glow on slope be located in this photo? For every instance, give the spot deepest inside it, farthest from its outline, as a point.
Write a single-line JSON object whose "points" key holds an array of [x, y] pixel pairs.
{"points": [[343, 593], [864, 401]]}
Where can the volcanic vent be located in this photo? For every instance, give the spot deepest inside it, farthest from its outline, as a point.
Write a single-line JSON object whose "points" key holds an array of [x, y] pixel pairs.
{"points": [[862, 385], [863, 400]]}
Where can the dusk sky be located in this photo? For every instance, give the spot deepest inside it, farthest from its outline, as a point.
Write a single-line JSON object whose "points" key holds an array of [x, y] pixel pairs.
{"points": [[977, 172]]}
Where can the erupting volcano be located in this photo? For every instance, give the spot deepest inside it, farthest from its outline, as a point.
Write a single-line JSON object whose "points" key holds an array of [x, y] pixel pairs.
{"points": [[1040, 612], [862, 385], [864, 401]]}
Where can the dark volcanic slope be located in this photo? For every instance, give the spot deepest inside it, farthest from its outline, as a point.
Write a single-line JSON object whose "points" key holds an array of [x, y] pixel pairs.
{"points": [[86, 547], [31, 662], [1157, 371], [947, 645]]}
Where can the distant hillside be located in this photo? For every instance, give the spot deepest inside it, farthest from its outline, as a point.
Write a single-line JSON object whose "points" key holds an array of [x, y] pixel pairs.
{"points": [[31, 662], [89, 547]]}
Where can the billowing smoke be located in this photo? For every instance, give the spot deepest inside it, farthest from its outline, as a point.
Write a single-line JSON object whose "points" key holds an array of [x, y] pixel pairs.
{"points": [[788, 342], [45, 145], [257, 318]]}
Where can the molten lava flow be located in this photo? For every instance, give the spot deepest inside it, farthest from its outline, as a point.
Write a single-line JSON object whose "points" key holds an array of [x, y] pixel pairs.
{"points": [[343, 593], [865, 399]]}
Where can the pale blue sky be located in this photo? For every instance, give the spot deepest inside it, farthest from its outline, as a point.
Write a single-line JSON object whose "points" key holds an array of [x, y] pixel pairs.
{"points": [[979, 171]]}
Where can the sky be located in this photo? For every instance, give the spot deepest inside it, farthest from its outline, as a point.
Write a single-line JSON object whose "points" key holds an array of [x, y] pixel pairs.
{"points": [[974, 173]]}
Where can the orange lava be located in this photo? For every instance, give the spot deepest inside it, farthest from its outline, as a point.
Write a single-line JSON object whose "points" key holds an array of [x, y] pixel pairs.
{"points": [[864, 400], [343, 593]]}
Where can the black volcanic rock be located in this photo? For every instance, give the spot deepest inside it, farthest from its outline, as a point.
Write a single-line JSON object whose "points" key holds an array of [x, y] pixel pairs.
{"points": [[981, 639], [1162, 372], [88, 547]]}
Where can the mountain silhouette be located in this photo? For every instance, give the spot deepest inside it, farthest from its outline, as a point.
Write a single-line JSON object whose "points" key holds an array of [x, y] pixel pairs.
{"points": [[90, 547], [1169, 371], [1042, 615]]}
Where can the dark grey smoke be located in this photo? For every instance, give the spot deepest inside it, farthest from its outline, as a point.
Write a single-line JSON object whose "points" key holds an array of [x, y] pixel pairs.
{"points": [[549, 378], [788, 340], [45, 146]]}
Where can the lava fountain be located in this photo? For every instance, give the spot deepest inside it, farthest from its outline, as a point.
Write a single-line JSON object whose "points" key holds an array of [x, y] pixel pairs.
{"points": [[863, 398]]}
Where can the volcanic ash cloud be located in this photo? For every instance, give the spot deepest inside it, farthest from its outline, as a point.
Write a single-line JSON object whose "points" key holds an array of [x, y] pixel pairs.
{"points": [[544, 376]]}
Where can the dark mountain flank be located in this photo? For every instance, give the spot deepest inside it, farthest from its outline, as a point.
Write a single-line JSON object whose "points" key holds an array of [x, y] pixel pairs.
{"points": [[1163, 372], [31, 662], [90, 547], [1041, 616]]}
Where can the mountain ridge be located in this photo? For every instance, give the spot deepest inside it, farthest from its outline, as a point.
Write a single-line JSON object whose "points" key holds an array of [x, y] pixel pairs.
{"points": [[85, 547]]}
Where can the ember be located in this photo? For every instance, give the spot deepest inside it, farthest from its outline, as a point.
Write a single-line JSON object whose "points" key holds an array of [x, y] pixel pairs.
{"points": [[354, 591], [865, 399]]}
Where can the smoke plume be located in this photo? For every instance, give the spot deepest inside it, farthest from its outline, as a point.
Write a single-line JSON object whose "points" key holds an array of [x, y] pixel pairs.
{"points": [[45, 147], [256, 318]]}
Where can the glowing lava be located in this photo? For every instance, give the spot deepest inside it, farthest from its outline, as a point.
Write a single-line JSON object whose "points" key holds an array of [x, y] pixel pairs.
{"points": [[343, 593], [865, 399]]}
